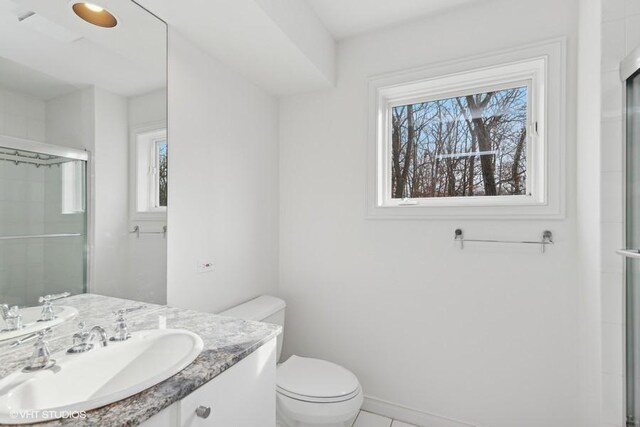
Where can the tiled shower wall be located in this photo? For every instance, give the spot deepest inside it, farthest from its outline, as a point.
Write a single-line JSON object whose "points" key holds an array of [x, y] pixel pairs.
{"points": [[620, 35], [21, 115]]}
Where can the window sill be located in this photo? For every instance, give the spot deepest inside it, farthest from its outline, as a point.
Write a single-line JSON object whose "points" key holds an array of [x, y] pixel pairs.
{"points": [[448, 212]]}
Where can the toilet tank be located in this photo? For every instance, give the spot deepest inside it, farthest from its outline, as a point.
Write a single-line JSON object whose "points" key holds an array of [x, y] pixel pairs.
{"points": [[264, 308]]}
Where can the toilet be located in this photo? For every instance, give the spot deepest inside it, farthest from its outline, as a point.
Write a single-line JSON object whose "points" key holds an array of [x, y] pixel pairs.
{"points": [[309, 392]]}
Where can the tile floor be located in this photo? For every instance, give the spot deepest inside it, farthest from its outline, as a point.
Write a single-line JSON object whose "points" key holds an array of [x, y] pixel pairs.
{"points": [[367, 419]]}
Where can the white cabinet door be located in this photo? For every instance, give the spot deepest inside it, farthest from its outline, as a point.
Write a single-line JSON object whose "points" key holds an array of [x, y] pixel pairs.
{"points": [[167, 417], [242, 396]]}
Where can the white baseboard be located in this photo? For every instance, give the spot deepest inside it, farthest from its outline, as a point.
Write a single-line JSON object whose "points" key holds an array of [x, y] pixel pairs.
{"points": [[409, 415]]}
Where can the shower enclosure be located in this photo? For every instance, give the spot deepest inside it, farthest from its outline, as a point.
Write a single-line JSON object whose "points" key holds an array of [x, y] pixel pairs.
{"points": [[43, 221], [630, 73]]}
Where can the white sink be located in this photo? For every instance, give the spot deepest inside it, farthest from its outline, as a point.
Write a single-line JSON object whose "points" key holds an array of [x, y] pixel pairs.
{"points": [[30, 323], [85, 381]]}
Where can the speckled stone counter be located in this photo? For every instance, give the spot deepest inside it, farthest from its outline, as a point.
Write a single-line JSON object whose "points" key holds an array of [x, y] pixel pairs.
{"points": [[226, 342]]}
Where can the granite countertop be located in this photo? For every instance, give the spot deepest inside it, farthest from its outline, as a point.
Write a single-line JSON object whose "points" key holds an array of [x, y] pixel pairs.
{"points": [[226, 341]]}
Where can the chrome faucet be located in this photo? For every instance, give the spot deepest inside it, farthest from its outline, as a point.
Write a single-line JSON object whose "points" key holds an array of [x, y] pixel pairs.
{"points": [[41, 357], [83, 341], [48, 313], [121, 328], [100, 332]]}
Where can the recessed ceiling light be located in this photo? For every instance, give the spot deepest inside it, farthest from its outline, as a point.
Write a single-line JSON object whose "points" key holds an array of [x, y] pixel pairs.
{"points": [[94, 14], [94, 8]]}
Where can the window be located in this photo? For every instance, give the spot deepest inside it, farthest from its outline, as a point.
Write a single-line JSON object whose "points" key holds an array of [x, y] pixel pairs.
{"points": [[160, 173], [464, 146], [481, 138], [150, 172]]}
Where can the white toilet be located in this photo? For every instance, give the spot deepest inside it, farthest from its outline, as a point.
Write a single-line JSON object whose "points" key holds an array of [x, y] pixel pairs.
{"points": [[310, 392]]}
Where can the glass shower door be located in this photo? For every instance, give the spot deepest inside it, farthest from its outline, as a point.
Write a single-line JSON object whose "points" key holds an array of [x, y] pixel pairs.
{"points": [[632, 226], [43, 224]]}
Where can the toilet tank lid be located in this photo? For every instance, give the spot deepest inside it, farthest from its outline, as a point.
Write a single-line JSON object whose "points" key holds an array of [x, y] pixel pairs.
{"points": [[256, 309]]}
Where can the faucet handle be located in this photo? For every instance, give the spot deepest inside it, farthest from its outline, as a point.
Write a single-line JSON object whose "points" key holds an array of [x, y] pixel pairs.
{"points": [[48, 313], [53, 297], [121, 329], [121, 312], [41, 358], [82, 335], [42, 334]]}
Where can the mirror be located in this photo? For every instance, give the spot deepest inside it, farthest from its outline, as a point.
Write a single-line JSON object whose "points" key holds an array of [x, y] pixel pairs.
{"points": [[83, 156]]}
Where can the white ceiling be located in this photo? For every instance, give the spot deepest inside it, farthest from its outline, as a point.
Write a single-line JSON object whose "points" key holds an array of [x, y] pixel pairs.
{"points": [[346, 18], [18, 78], [57, 46], [284, 46], [280, 45]]}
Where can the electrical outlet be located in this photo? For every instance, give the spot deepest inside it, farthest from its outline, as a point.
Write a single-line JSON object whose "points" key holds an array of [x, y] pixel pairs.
{"points": [[204, 266]]}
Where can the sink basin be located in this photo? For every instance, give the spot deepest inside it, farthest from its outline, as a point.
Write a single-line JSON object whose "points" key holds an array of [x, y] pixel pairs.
{"points": [[30, 323], [85, 381]]}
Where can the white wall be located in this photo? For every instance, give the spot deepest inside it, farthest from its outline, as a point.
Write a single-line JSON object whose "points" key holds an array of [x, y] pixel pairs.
{"points": [[110, 186], [150, 107], [21, 115], [588, 213], [488, 335], [223, 183], [70, 120]]}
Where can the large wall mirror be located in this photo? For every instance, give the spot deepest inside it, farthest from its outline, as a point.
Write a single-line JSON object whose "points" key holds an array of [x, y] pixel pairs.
{"points": [[83, 151]]}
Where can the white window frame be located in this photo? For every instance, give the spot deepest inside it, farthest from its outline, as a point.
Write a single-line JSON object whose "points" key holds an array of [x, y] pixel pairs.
{"points": [[541, 68], [143, 185]]}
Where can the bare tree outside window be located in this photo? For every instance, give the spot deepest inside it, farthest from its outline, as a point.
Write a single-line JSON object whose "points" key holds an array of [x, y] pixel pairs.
{"points": [[473, 145], [162, 173]]}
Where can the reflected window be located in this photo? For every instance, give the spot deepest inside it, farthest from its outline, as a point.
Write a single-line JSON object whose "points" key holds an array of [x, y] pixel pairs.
{"points": [[151, 173], [160, 173]]}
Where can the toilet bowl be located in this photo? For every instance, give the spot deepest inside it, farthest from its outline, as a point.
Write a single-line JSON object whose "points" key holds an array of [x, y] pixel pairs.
{"points": [[309, 392], [314, 392]]}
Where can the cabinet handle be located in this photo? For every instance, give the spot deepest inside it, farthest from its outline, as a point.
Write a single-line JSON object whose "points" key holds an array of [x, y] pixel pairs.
{"points": [[203, 411]]}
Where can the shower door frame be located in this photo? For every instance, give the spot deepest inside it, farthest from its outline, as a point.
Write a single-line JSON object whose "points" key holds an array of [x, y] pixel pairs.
{"points": [[15, 143], [629, 66]]}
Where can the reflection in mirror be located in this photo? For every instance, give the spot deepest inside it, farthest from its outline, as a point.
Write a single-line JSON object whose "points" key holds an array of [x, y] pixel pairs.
{"points": [[83, 157], [43, 229]]}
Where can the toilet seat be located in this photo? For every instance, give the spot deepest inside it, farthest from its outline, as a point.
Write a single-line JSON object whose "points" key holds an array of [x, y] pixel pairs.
{"points": [[312, 399], [316, 381]]}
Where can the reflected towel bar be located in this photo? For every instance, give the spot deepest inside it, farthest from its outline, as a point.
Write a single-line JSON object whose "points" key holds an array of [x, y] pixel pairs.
{"points": [[547, 239], [137, 232]]}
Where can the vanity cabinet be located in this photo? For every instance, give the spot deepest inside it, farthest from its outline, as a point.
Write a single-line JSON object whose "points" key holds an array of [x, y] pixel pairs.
{"points": [[241, 396]]}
